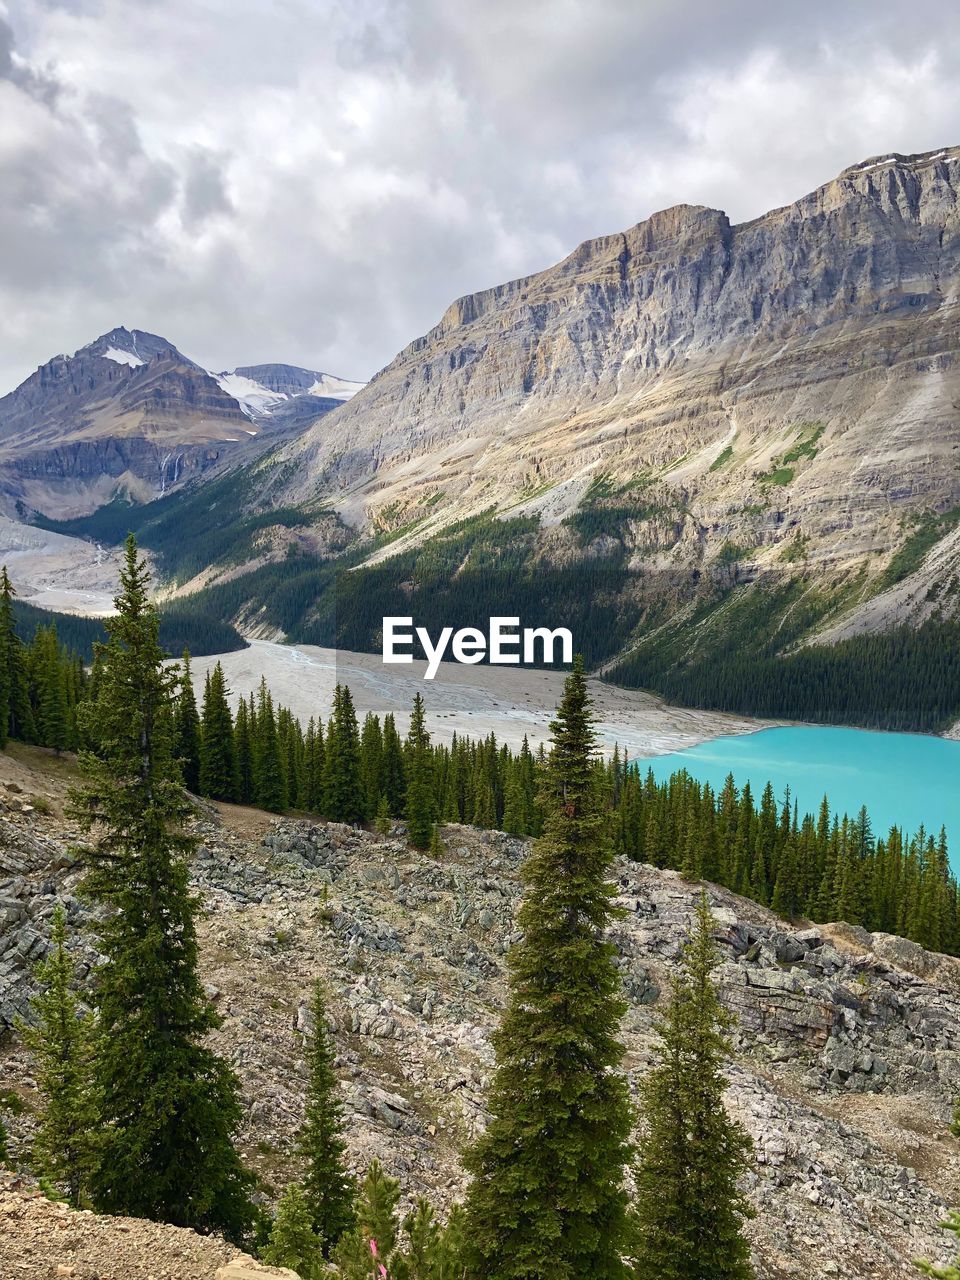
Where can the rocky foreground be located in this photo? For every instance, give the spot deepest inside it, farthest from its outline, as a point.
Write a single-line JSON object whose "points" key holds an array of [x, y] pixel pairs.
{"points": [[845, 1070]]}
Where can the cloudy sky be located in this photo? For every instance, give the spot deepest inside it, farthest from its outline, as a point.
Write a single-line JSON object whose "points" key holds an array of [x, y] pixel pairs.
{"points": [[313, 181]]}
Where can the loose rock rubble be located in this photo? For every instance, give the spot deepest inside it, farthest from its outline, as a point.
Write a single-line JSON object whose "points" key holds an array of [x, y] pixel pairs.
{"points": [[40, 1240], [847, 1047]]}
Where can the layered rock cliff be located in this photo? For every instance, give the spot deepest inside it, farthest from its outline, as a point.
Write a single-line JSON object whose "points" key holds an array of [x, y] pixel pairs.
{"points": [[793, 377], [131, 415]]}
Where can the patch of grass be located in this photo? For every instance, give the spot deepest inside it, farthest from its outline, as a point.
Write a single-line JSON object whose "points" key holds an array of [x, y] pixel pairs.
{"points": [[795, 550], [385, 538], [671, 466], [722, 458], [732, 553], [42, 760], [601, 486], [806, 446], [927, 531], [779, 476]]}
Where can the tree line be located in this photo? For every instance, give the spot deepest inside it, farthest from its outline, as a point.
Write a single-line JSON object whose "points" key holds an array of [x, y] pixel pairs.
{"points": [[139, 1116], [824, 866]]}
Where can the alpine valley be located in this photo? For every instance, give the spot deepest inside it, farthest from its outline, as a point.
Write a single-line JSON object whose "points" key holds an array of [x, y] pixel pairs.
{"points": [[305, 959], [729, 454]]}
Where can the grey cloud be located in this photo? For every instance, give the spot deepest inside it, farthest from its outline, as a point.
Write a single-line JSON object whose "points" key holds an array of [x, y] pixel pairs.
{"points": [[34, 81], [315, 181], [204, 189]]}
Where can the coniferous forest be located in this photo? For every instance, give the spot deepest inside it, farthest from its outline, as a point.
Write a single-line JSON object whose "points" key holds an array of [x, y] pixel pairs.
{"points": [[701, 639], [139, 1116]]}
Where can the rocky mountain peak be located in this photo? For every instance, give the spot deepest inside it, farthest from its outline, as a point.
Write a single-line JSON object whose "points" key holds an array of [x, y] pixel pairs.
{"points": [[696, 353], [132, 348]]}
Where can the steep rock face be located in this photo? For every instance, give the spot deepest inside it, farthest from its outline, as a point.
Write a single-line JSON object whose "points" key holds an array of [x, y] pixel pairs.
{"points": [[129, 413], [698, 355]]}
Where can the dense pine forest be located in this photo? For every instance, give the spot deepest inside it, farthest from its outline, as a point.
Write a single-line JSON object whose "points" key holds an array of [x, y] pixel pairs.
{"points": [[180, 629], [708, 639], [140, 1116], [823, 866]]}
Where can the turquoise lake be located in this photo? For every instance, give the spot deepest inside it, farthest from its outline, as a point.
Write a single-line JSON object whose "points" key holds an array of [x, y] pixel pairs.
{"points": [[904, 779]]}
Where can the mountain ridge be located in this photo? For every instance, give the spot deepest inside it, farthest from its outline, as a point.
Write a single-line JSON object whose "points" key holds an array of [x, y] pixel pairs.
{"points": [[130, 415]]}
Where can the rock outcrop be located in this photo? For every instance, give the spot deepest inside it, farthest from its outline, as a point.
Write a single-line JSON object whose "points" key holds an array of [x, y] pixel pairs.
{"points": [[848, 1044], [789, 379], [40, 1240]]}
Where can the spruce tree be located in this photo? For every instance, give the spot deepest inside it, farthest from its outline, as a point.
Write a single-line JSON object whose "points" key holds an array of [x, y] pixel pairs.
{"points": [[293, 1242], [243, 753], [437, 847], [62, 1042], [393, 781], [372, 1241], [343, 786], [371, 761], [689, 1212], [329, 1188], [547, 1195], [420, 802], [424, 1241], [218, 761], [169, 1105], [270, 790], [7, 638], [51, 690], [382, 820], [20, 723], [188, 728]]}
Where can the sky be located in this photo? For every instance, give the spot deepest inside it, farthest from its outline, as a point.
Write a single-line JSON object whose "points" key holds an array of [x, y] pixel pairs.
{"points": [[314, 181]]}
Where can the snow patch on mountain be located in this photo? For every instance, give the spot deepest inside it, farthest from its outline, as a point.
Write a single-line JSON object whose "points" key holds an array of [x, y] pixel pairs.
{"points": [[123, 357], [254, 398], [259, 400], [335, 388]]}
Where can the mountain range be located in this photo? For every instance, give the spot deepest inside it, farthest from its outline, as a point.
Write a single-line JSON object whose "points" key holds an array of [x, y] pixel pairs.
{"points": [[750, 432], [130, 415]]}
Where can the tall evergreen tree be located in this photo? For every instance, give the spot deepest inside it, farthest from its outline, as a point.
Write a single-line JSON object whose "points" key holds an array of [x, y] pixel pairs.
{"points": [[268, 774], [52, 700], [372, 1241], [169, 1105], [329, 1188], [62, 1043], [393, 783], [547, 1196], [243, 753], [20, 719], [343, 786], [7, 639], [689, 1212], [420, 803], [188, 728], [218, 761]]}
